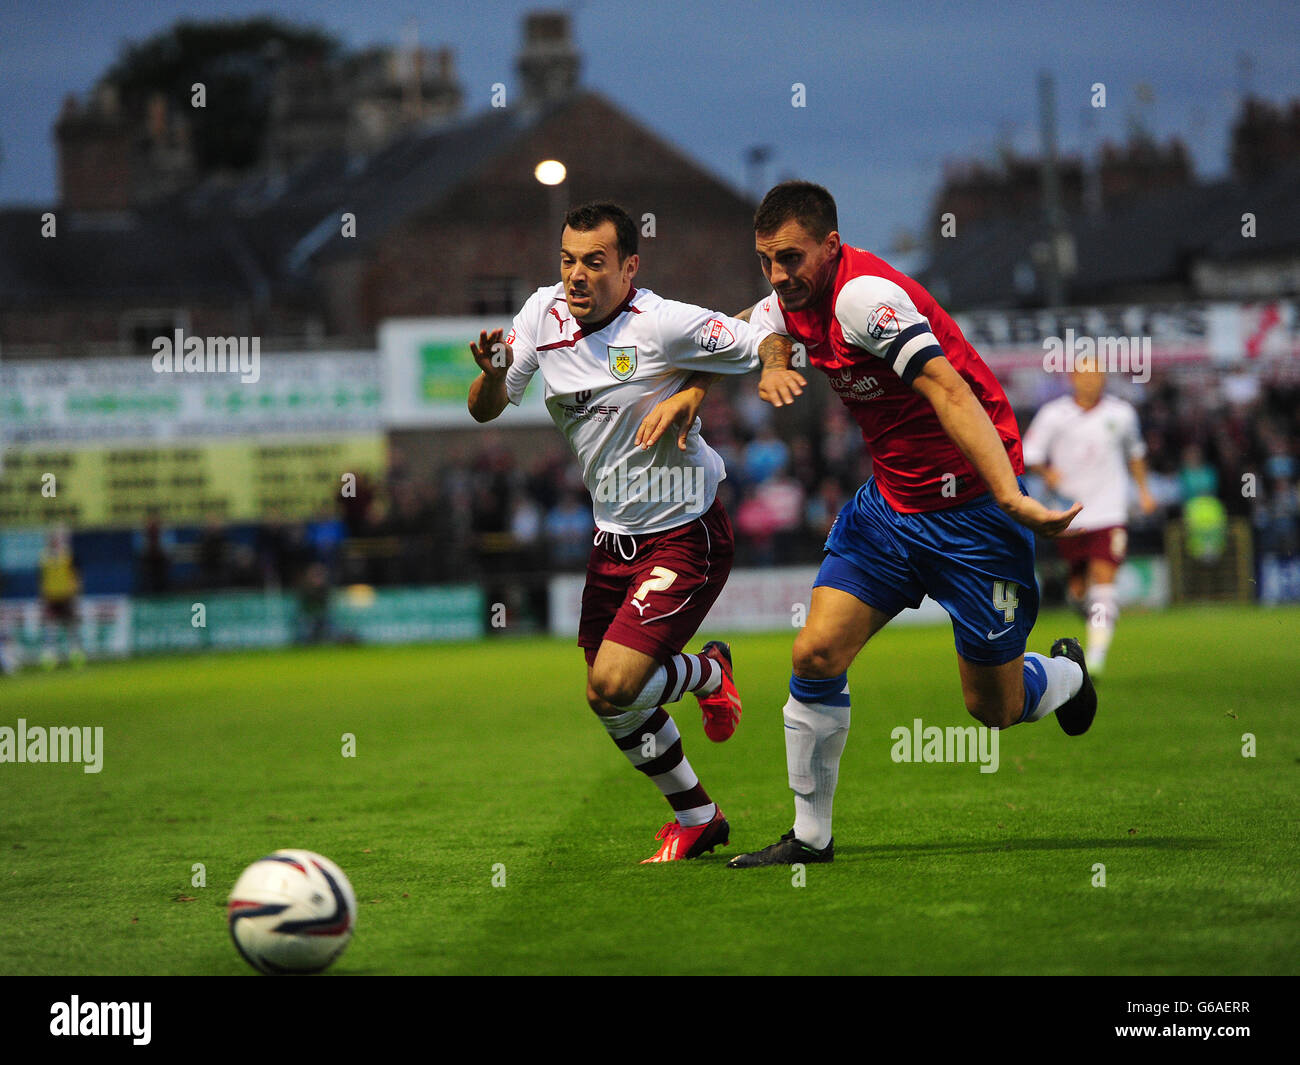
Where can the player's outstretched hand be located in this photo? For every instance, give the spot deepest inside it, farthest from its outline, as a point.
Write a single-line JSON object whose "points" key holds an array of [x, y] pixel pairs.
{"points": [[1044, 522], [491, 353], [779, 387], [680, 408]]}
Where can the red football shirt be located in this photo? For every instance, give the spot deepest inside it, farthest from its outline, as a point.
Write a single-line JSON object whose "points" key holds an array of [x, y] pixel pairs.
{"points": [[871, 334]]}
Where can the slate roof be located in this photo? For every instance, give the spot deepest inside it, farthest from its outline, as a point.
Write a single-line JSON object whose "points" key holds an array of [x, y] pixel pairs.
{"points": [[1150, 241], [117, 257]]}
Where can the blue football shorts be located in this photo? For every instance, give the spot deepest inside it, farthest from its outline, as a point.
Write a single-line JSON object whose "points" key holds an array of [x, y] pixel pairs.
{"points": [[973, 560]]}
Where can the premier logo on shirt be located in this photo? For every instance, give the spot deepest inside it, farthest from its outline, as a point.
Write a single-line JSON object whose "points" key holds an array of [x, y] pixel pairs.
{"points": [[582, 407], [622, 361]]}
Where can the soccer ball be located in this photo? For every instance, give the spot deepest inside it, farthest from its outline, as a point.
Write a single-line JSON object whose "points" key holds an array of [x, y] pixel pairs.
{"points": [[291, 912]]}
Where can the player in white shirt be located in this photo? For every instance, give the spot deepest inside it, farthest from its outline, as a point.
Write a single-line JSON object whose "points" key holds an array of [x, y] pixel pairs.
{"points": [[610, 356], [1085, 446]]}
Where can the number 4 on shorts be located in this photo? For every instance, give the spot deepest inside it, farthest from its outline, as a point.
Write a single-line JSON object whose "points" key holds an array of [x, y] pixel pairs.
{"points": [[1006, 598]]}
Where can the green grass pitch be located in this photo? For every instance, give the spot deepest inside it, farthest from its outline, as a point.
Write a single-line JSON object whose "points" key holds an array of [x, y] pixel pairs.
{"points": [[482, 761]]}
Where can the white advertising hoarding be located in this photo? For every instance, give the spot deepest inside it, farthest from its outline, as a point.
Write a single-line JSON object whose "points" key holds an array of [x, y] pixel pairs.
{"points": [[770, 600]]}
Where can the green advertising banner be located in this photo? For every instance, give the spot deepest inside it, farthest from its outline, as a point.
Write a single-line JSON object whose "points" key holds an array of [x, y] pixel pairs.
{"points": [[444, 375], [410, 615], [427, 370], [213, 620], [229, 620]]}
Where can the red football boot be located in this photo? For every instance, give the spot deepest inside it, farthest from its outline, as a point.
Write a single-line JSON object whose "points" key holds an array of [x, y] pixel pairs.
{"points": [[681, 842], [721, 709]]}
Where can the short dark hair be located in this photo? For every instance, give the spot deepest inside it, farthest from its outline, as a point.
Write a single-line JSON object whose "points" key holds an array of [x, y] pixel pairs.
{"points": [[808, 204], [591, 215]]}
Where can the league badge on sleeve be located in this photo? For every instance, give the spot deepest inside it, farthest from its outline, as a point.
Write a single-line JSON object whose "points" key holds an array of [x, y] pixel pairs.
{"points": [[883, 323], [622, 361], [715, 336]]}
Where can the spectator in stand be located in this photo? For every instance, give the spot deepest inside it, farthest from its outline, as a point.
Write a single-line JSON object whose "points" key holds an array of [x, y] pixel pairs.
{"points": [[774, 508], [841, 441], [545, 475], [213, 555], [155, 565], [324, 543], [357, 507], [526, 530], [803, 464], [492, 492], [568, 532], [314, 605], [1196, 477], [765, 456], [1277, 515], [273, 552], [1280, 527], [823, 507], [60, 595]]}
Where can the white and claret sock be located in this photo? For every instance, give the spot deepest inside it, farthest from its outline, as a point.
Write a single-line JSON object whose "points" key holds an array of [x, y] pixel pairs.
{"points": [[816, 728], [1103, 612], [653, 745], [1049, 682], [680, 674]]}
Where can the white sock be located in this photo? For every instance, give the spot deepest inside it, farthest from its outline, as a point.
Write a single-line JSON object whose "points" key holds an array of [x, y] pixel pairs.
{"points": [[680, 674], [815, 734], [1103, 612], [1064, 679]]}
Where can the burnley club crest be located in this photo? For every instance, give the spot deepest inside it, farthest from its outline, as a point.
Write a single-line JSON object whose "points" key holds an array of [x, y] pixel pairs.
{"points": [[622, 362]]}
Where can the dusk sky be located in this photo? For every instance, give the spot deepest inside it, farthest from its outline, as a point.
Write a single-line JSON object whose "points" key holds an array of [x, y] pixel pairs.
{"points": [[893, 90]]}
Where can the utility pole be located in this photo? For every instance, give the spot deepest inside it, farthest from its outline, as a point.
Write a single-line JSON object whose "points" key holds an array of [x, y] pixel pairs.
{"points": [[756, 157], [1054, 262]]}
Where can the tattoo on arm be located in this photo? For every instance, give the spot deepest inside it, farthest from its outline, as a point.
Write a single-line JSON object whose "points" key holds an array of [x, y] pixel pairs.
{"points": [[774, 352]]}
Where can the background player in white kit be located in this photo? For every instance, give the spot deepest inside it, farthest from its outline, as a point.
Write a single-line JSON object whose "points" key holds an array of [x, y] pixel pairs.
{"points": [[1085, 446], [610, 355]]}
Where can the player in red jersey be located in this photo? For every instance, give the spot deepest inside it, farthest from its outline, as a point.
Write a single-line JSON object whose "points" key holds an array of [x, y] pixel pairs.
{"points": [[944, 513]]}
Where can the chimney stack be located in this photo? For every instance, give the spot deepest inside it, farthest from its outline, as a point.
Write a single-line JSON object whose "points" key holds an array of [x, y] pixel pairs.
{"points": [[548, 65], [95, 146]]}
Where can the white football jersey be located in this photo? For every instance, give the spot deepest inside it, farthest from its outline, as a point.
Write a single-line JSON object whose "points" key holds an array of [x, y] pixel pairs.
{"points": [[1091, 450], [600, 386]]}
